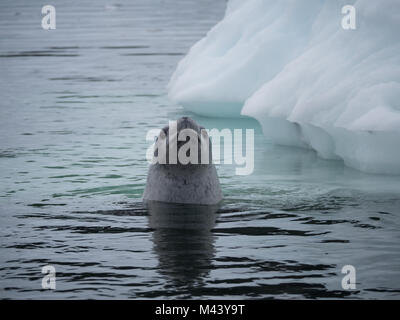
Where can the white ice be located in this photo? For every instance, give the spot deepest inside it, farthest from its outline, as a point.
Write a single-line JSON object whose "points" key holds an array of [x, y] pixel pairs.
{"points": [[308, 81]]}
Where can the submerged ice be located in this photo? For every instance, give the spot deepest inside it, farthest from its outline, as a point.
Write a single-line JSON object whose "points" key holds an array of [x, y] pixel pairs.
{"points": [[309, 82]]}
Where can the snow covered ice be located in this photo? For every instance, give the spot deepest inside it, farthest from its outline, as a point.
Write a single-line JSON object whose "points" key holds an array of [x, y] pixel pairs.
{"points": [[308, 81]]}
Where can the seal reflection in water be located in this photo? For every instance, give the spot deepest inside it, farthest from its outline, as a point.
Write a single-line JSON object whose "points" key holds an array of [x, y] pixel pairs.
{"points": [[182, 197], [183, 241], [182, 170]]}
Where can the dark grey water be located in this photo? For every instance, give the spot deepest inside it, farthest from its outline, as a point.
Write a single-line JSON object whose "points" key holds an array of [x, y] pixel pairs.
{"points": [[76, 104]]}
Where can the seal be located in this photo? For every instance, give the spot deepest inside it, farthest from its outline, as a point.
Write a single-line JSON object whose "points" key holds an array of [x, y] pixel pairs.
{"points": [[176, 180]]}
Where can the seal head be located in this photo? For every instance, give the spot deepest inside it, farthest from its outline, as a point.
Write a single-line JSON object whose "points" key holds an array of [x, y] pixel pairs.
{"points": [[184, 172]]}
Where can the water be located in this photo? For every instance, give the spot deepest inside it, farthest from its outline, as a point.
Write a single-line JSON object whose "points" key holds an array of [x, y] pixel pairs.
{"points": [[76, 103]]}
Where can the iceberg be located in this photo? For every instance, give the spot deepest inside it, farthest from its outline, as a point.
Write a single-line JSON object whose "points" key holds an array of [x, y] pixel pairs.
{"points": [[309, 82]]}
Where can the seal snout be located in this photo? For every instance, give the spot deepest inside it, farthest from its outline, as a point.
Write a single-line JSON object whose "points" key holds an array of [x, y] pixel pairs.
{"points": [[183, 142]]}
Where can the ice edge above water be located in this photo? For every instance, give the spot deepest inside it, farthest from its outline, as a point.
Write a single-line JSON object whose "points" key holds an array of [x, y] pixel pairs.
{"points": [[309, 82]]}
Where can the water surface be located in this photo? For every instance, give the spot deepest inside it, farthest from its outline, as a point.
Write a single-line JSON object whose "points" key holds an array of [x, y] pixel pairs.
{"points": [[76, 103]]}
